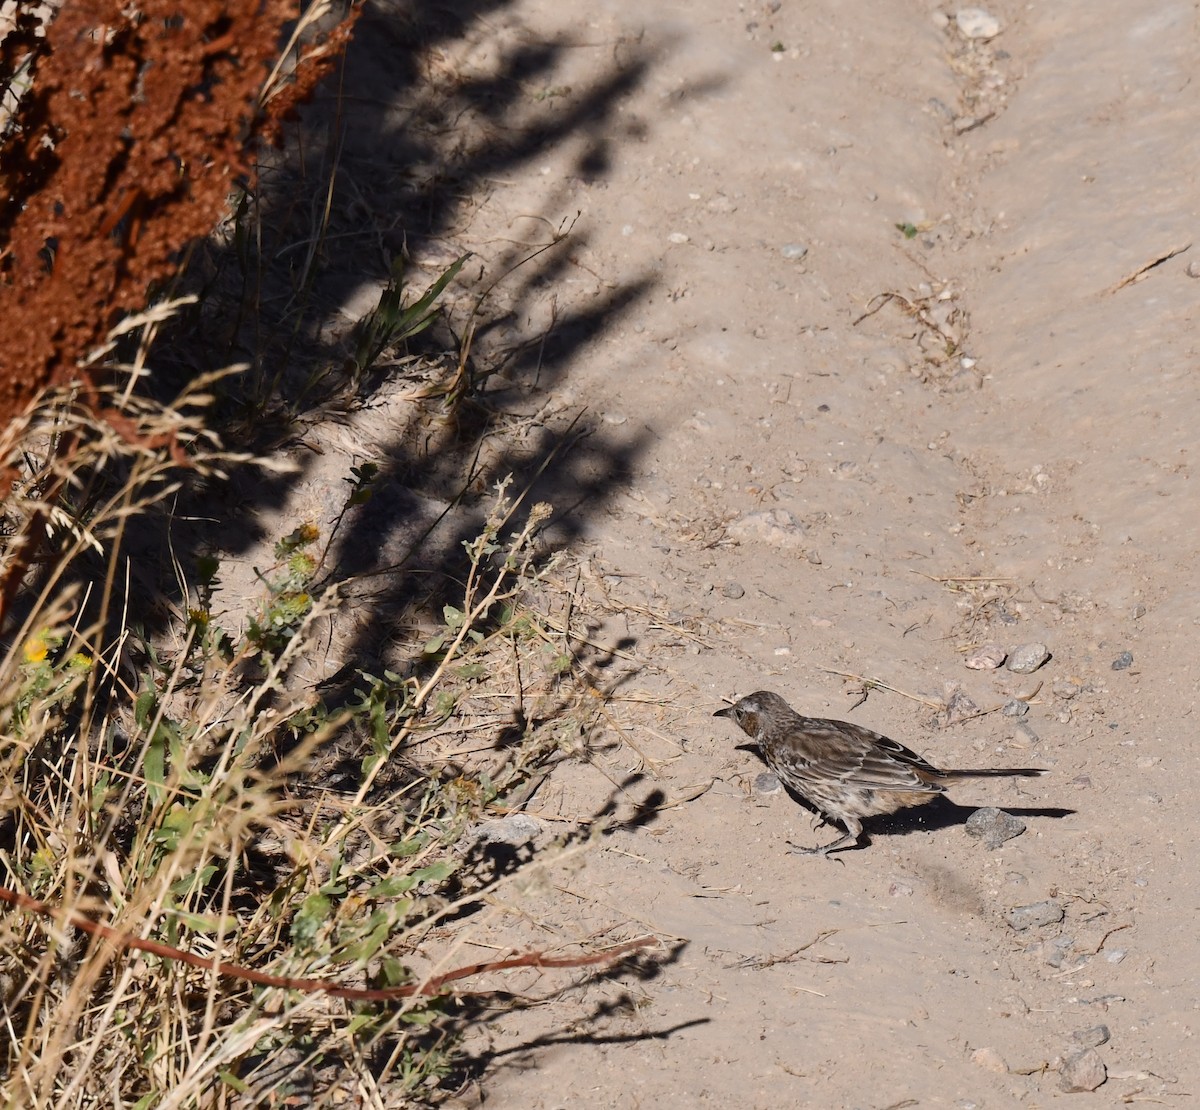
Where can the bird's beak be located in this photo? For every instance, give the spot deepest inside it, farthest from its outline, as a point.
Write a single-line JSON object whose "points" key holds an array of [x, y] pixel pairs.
{"points": [[726, 712]]}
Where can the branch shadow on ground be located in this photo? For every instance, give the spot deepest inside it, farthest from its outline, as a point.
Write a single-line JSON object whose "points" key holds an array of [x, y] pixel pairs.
{"points": [[388, 161], [588, 1029]]}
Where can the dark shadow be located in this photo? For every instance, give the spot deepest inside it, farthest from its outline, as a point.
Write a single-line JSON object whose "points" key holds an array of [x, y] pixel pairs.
{"points": [[939, 813], [383, 165], [942, 813], [523, 1056]]}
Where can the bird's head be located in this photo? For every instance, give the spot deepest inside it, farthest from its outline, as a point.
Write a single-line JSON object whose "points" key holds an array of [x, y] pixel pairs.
{"points": [[751, 713]]}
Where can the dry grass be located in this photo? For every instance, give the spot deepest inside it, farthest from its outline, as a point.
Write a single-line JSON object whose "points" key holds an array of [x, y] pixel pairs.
{"points": [[165, 786], [193, 834]]}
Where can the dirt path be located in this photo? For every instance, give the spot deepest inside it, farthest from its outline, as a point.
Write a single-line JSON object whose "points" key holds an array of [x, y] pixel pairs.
{"points": [[845, 290]]}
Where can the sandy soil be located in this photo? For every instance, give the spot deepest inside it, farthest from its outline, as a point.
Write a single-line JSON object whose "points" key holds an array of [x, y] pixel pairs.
{"points": [[847, 296]]}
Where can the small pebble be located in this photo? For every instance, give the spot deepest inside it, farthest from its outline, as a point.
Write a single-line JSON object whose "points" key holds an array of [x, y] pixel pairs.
{"points": [[975, 23], [678, 237], [1123, 661], [733, 590], [515, 829], [990, 1060], [1056, 951], [765, 782], [900, 890], [1065, 690], [793, 250], [1027, 658], [959, 706], [616, 418], [993, 826], [1138, 611], [1193, 269], [1024, 729], [1115, 956], [1093, 1037], [1084, 1071], [1014, 707], [1049, 912], [777, 527], [986, 658]]}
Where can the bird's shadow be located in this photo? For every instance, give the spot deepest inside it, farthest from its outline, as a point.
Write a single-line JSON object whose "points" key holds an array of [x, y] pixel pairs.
{"points": [[940, 813]]}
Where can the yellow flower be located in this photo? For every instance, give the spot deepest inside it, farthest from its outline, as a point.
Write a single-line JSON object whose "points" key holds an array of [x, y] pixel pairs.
{"points": [[37, 649]]}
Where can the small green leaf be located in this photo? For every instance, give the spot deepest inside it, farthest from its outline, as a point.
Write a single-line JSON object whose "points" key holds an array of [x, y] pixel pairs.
{"points": [[364, 949], [435, 872], [195, 881], [389, 888], [313, 913], [230, 1080], [395, 974], [409, 847]]}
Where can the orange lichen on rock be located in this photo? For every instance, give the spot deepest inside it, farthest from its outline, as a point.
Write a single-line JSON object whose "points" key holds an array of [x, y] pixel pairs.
{"points": [[123, 150]]}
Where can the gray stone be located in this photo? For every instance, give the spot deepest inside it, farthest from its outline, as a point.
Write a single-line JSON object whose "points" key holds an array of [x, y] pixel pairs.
{"points": [[1027, 658], [515, 829], [986, 657], [776, 527], [1056, 951], [975, 23], [766, 783], [994, 826], [1092, 1037], [1123, 661], [1084, 1071], [1037, 913]]}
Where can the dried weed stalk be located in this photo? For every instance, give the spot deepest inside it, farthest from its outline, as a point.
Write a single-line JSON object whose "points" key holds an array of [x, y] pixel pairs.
{"points": [[160, 797]]}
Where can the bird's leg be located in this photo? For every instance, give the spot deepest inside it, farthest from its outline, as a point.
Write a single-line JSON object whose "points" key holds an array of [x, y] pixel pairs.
{"points": [[852, 836]]}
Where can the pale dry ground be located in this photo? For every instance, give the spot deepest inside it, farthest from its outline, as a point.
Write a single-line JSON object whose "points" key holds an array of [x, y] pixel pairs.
{"points": [[1059, 461], [1038, 491]]}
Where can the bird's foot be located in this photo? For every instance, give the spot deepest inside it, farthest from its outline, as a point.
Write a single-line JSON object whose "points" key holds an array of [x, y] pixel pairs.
{"points": [[796, 849]]}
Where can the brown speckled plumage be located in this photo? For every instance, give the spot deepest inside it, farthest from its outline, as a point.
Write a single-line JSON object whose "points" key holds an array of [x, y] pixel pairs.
{"points": [[845, 771]]}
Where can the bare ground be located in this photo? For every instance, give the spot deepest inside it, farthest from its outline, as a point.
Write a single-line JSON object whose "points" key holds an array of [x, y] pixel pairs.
{"points": [[848, 298]]}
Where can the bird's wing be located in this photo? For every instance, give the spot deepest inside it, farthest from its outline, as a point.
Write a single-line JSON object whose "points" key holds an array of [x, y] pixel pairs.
{"points": [[859, 757]]}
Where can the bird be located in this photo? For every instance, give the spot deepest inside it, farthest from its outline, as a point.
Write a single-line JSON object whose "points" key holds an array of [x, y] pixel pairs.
{"points": [[846, 772]]}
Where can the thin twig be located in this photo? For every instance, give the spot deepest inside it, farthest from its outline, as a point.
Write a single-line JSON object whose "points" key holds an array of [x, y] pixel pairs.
{"points": [[432, 986]]}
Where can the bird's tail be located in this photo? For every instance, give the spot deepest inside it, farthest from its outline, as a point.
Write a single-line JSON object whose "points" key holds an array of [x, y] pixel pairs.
{"points": [[996, 772]]}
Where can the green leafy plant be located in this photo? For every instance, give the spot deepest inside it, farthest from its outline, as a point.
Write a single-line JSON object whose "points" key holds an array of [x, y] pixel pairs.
{"points": [[391, 322]]}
